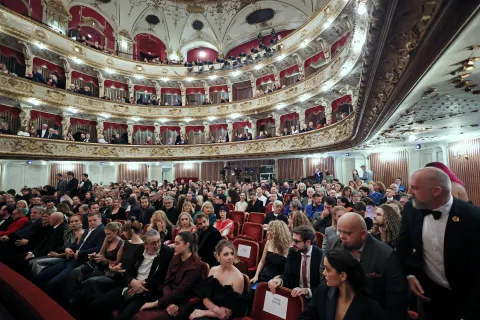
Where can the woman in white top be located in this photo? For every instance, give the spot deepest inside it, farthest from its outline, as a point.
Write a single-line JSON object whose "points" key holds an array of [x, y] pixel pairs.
{"points": [[241, 205], [294, 130], [23, 132]]}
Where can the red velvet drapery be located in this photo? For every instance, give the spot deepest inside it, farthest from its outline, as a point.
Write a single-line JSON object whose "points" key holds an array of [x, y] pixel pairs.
{"points": [[115, 84], [34, 114], [241, 124], [339, 43], [195, 91], [171, 91], [337, 103], [218, 126], [143, 88], [289, 71], [149, 45], [189, 129], [118, 126], [85, 77], [40, 63], [246, 47], [8, 52], [74, 121], [218, 89], [265, 121], [171, 128], [314, 59], [265, 79], [208, 54], [289, 116], [314, 110]]}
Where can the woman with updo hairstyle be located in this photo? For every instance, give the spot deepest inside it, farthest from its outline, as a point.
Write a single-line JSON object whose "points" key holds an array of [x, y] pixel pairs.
{"points": [[222, 292], [345, 295], [185, 223], [160, 222], [183, 276], [131, 232]]}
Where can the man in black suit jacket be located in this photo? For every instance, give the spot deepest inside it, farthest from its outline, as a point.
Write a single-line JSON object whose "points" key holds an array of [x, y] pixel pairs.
{"points": [[440, 247], [208, 238], [276, 214], [72, 184], [255, 205], [85, 186], [303, 262], [389, 195], [140, 291], [145, 213], [61, 185], [144, 98], [385, 277], [43, 132]]}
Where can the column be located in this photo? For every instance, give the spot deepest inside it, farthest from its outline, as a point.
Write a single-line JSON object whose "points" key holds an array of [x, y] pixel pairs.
{"points": [[158, 90], [157, 139], [184, 94], [100, 128], [131, 87], [253, 126], [301, 117], [65, 123], [276, 74], [206, 87], [230, 90], [200, 171], [68, 72], [206, 129], [304, 163], [230, 130], [27, 54], [328, 109], [130, 131], [276, 117], [25, 116], [300, 63], [275, 168], [101, 83], [182, 129]]}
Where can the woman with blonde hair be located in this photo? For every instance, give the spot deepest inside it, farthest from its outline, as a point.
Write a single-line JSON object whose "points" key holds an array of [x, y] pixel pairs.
{"points": [[352, 185], [188, 207], [275, 253], [386, 224], [207, 208], [298, 218], [199, 200], [185, 223], [160, 222]]}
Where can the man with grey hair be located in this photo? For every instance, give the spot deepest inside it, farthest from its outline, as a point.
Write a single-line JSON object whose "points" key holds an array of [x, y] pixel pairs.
{"points": [[295, 205], [367, 175], [142, 280], [385, 279], [169, 209], [19, 220], [440, 247], [276, 214]]}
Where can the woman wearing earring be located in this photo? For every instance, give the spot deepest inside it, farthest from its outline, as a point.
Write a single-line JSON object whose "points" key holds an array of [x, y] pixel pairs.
{"points": [[185, 223], [345, 295]]}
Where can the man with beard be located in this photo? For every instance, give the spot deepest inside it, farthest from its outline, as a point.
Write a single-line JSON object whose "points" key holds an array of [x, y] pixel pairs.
{"points": [[208, 238], [385, 279], [155, 201], [439, 245], [146, 211]]}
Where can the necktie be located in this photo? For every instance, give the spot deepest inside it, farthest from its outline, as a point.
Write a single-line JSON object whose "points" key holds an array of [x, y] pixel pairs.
{"points": [[436, 214], [304, 271]]}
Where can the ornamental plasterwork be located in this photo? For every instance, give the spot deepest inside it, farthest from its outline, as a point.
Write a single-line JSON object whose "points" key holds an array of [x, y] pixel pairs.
{"points": [[14, 24], [314, 141]]}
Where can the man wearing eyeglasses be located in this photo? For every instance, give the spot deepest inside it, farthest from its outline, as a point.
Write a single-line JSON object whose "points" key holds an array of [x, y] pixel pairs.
{"points": [[302, 270]]}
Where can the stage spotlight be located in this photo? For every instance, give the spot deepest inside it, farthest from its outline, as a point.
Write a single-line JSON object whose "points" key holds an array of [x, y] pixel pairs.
{"points": [[348, 154], [418, 146]]}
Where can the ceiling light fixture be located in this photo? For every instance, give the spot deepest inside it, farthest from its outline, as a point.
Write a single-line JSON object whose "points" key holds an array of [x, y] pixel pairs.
{"points": [[362, 8], [188, 119], [163, 120], [211, 118], [77, 60], [212, 77], [138, 76], [189, 79], [235, 115], [165, 79], [258, 67], [34, 101], [412, 138]]}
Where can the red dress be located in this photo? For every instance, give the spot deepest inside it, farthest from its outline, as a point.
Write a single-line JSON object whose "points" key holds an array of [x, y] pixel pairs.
{"points": [[222, 227]]}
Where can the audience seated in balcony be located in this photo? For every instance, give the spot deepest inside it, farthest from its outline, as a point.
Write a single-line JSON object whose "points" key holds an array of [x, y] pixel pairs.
{"points": [[22, 132], [4, 69], [207, 101], [148, 141], [52, 80], [4, 128]]}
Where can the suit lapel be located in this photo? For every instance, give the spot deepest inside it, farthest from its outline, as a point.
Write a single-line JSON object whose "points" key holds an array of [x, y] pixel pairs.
{"points": [[331, 304], [452, 233], [417, 229], [367, 255]]}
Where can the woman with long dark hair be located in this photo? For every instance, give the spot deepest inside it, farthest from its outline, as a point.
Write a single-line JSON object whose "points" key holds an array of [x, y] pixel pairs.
{"points": [[345, 295]]}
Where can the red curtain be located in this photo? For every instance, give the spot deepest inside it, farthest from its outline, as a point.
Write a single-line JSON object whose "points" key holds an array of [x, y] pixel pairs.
{"points": [[74, 121], [338, 44], [265, 121], [314, 59], [194, 129], [337, 103], [171, 128], [80, 12], [143, 88], [19, 7], [118, 126], [148, 45], [241, 125], [194, 54], [289, 116], [195, 91], [171, 91], [218, 89], [218, 126], [143, 128], [289, 71], [7, 52], [40, 63], [115, 84], [265, 79], [246, 47], [314, 110], [84, 77], [15, 112], [34, 114]]}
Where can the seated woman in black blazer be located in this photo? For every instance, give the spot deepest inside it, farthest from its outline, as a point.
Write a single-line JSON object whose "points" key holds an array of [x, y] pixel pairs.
{"points": [[345, 296]]}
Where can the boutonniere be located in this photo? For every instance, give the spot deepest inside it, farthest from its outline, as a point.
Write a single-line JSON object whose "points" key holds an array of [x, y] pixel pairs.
{"points": [[455, 219]]}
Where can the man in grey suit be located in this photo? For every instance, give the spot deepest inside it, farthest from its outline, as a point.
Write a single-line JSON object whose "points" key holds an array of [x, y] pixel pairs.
{"points": [[61, 185], [367, 174], [386, 281]]}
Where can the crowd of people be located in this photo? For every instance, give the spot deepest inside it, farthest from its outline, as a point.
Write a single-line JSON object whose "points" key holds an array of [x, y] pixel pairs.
{"points": [[142, 248]]}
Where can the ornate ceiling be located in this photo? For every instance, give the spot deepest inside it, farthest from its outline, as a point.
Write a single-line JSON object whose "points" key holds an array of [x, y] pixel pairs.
{"points": [[224, 22]]}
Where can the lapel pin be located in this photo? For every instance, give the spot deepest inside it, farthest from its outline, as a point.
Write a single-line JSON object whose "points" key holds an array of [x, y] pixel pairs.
{"points": [[455, 219]]}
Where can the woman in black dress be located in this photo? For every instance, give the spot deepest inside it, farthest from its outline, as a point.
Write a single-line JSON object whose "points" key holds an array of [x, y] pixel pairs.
{"points": [[222, 291], [116, 212]]}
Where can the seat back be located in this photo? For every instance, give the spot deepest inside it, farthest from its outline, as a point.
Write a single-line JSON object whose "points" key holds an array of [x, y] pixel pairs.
{"points": [[295, 305], [319, 238], [174, 233], [256, 217], [230, 207], [146, 227], [286, 197], [268, 207], [248, 251], [238, 216], [236, 228], [120, 221], [253, 230], [206, 270]]}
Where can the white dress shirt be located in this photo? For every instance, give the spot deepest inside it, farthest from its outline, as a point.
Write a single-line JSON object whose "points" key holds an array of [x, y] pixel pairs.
{"points": [[433, 236], [301, 284], [86, 237], [263, 199], [144, 269]]}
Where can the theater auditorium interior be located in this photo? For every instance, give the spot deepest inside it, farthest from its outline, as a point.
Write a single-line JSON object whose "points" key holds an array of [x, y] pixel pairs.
{"points": [[239, 159]]}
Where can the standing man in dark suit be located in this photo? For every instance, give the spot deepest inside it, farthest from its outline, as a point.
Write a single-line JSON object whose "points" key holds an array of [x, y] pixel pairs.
{"points": [[440, 247], [143, 98], [208, 238], [318, 176], [43, 133], [302, 272], [385, 277], [85, 186], [61, 185], [145, 213], [72, 184]]}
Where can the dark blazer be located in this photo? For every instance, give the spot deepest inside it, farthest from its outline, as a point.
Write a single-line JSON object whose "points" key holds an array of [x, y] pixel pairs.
{"points": [[87, 186], [384, 199], [52, 242], [255, 207], [6, 223], [324, 305], [172, 214], [291, 274], [72, 187], [271, 217], [92, 244], [461, 250], [62, 187], [158, 271], [144, 214], [318, 176], [39, 132], [387, 282], [207, 241]]}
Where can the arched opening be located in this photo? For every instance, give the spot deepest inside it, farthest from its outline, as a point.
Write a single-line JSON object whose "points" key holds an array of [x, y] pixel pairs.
{"points": [[149, 47]]}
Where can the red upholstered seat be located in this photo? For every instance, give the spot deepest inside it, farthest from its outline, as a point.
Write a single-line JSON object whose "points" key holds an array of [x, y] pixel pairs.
{"points": [[238, 216], [248, 251], [285, 198], [256, 217], [294, 309], [174, 234], [268, 207], [236, 229], [230, 207], [319, 238], [253, 230]]}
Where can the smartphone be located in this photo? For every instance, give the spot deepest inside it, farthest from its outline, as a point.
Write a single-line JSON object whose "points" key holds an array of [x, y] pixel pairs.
{"points": [[369, 212]]}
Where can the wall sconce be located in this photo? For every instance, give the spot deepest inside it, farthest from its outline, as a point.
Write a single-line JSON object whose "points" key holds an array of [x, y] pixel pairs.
{"points": [[460, 152]]}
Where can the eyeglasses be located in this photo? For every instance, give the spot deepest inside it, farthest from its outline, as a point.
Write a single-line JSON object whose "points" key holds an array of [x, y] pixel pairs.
{"points": [[297, 241]]}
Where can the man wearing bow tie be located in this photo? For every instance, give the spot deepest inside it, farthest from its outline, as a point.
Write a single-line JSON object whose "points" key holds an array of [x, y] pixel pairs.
{"points": [[440, 247]]}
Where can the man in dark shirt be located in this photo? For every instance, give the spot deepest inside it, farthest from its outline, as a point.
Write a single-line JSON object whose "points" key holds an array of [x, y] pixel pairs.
{"points": [[208, 238]]}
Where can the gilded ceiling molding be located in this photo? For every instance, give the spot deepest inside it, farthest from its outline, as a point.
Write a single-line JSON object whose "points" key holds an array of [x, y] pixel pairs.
{"points": [[18, 147]]}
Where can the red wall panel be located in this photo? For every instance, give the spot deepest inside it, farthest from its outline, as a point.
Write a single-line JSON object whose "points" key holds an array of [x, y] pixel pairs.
{"points": [[79, 12], [194, 54], [246, 47], [148, 44]]}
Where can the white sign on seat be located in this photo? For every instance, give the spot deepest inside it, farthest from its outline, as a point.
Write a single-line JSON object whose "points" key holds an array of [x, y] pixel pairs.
{"points": [[275, 304], [244, 251]]}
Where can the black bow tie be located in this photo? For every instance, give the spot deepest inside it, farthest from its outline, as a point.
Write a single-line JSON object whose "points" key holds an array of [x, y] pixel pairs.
{"points": [[436, 214]]}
